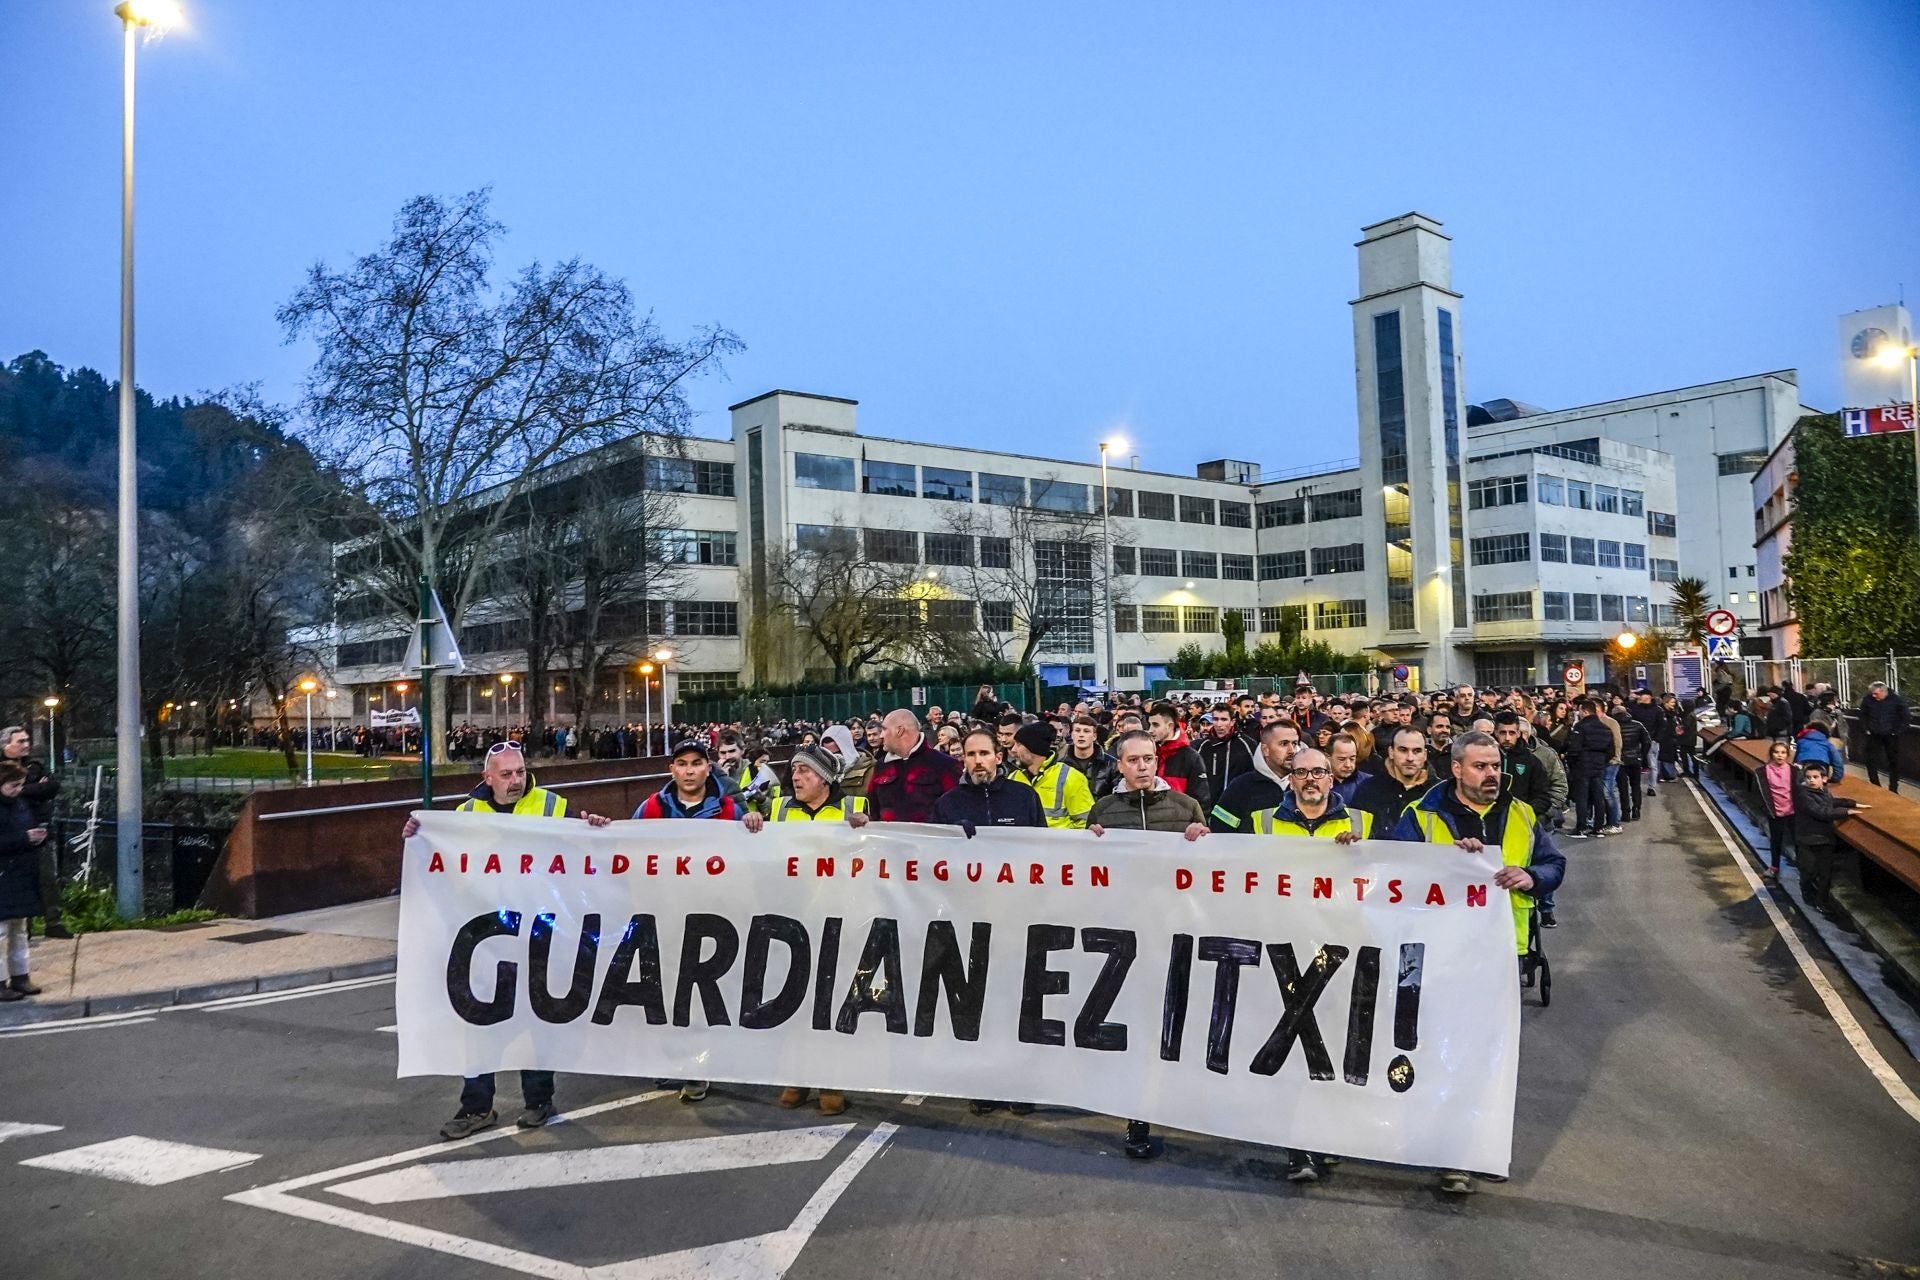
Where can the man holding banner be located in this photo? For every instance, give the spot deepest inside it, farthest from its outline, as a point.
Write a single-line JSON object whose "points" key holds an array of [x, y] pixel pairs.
{"points": [[505, 786], [1475, 813]]}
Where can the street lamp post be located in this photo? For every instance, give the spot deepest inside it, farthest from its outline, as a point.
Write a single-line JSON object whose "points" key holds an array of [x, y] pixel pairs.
{"points": [[53, 750], [333, 734], [1106, 546], [646, 708], [506, 696], [128, 860], [307, 686], [663, 656]]}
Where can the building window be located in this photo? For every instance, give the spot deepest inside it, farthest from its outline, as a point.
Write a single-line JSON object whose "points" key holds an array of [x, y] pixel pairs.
{"points": [[1586, 607], [819, 471], [1195, 510], [1496, 491], [824, 539], [1550, 490], [1199, 564], [1579, 495], [946, 485], [1390, 397], [702, 546], [996, 553], [1342, 504], [1126, 618], [949, 548], [369, 653], [1665, 615], [1284, 511], [1236, 515], [1504, 606], [706, 618], [1661, 525], [1609, 553], [1399, 604], [1633, 556], [1201, 619], [1331, 614], [1061, 495], [1281, 617], [706, 682], [1636, 608], [896, 479], [996, 615], [1507, 548], [950, 616], [1606, 498], [1582, 550], [1633, 503], [892, 546], [1743, 463], [1155, 506], [1127, 671], [1158, 562], [1002, 491], [1249, 619], [1553, 547], [1351, 558], [1119, 502], [1236, 568], [1159, 619], [1282, 564], [1553, 606], [1612, 609], [1449, 397], [1123, 560], [690, 475], [1664, 570]]}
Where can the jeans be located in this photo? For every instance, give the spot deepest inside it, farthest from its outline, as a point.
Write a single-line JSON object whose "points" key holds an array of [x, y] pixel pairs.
{"points": [[1612, 793], [1653, 765], [1589, 801], [15, 931], [1627, 791], [1883, 747], [476, 1092], [1779, 834]]}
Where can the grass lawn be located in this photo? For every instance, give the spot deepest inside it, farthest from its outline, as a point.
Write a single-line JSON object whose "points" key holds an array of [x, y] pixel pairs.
{"points": [[243, 762]]}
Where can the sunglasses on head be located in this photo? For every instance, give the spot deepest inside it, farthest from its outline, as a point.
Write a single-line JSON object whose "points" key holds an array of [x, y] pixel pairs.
{"points": [[498, 747]]}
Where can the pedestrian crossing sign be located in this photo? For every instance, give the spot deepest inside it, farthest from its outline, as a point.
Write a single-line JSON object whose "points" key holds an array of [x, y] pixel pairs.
{"points": [[1722, 648]]}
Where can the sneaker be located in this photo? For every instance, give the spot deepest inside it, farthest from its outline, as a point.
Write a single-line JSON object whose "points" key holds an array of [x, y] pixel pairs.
{"points": [[1649, 790], [693, 1090], [24, 985], [1576, 834], [1456, 1182], [1613, 830], [792, 1096], [468, 1123], [1302, 1167], [534, 1117], [1140, 1144], [1547, 921]]}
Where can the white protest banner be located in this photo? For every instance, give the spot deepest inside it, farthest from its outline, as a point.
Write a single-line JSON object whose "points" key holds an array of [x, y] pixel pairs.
{"points": [[1359, 999]]}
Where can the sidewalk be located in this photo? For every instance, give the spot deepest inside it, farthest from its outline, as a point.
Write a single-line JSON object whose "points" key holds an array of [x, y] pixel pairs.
{"points": [[99, 973]]}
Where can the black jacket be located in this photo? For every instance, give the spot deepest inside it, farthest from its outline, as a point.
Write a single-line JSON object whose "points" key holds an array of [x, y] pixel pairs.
{"points": [[1382, 796], [19, 861], [1634, 742], [1648, 716], [1522, 777], [1814, 813], [1102, 772], [1226, 759], [40, 790], [1779, 721], [1589, 748], [1797, 706], [1888, 715], [999, 803], [1245, 796]]}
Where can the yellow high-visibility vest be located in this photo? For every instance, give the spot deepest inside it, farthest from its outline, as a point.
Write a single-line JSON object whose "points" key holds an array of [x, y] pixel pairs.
{"points": [[537, 803], [788, 809], [1516, 849], [1066, 787], [1267, 822]]}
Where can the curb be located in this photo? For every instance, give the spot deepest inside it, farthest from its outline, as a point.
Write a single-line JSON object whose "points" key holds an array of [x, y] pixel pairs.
{"points": [[26, 1013]]}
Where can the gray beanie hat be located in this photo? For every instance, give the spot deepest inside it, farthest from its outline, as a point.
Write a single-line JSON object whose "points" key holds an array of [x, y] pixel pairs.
{"points": [[820, 760]]}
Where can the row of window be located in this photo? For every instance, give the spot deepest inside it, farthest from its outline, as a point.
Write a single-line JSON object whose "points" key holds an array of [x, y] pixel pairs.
{"points": [[945, 484], [679, 618], [1168, 619], [1342, 504], [1582, 495]]}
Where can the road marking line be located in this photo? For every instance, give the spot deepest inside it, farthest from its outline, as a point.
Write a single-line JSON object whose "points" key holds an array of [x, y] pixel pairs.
{"points": [[594, 1165], [148, 1162], [11, 1129], [81, 1024], [276, 997], [914, 1099], [1850, 1028], [392, 1030]]}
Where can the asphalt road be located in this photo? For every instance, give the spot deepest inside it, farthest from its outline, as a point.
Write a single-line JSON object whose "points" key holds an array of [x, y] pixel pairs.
{"points": [[1687, 1107]]}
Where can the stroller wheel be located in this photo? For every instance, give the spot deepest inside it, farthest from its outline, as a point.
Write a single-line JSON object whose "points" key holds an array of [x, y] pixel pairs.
{"points": [[1546, 985]]}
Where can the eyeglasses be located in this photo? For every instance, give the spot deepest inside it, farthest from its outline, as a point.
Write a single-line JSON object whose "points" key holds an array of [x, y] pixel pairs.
{"points": [[498, 747], [1311, 773]]}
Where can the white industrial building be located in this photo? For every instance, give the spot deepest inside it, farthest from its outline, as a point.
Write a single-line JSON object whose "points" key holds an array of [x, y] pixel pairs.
{"points": [[1487, 542]]}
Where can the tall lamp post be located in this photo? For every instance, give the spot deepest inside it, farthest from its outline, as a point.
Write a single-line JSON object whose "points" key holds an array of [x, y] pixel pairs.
{"points": [[128, 850], [1106, 546], [506, 696], [53, 750], [333, 734], [307, 686], [646, 708], [1890, 355], [663, 656]]}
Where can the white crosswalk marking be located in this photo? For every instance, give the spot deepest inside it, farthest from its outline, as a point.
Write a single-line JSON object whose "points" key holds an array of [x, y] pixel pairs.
{"points": [[11, 1129], [148, 1162], [589, 1165]]}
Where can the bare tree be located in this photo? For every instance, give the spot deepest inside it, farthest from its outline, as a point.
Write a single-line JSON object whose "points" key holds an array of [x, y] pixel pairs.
{"points": [[856, 610], [439, 397], [1039, 567]]}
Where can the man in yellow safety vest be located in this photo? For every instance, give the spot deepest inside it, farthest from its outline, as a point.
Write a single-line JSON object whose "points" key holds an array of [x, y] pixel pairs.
{"points": [[1063, 790]]}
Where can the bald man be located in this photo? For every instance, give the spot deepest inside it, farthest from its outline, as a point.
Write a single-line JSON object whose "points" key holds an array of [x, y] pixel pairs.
{"points": [[913, 775]]}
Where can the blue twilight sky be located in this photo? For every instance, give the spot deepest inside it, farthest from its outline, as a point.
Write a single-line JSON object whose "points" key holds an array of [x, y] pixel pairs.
{"points": [[1010, 225]]}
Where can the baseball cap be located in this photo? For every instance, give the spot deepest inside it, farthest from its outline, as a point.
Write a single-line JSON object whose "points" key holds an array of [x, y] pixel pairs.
{"points": [[691, 746]]}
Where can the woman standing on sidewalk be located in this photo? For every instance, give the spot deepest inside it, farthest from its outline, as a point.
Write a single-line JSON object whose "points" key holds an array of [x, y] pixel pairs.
{"points": [[1778, 778], [20, 840]]}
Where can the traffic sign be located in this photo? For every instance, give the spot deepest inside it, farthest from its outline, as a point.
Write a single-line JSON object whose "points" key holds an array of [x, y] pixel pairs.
{"points": [[1722, 648], [1400, 671], [1721, 623], [1574, 674]]}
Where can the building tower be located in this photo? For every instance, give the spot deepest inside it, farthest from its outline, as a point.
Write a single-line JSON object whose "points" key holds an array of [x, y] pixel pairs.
{"points": [[1412, 419]]}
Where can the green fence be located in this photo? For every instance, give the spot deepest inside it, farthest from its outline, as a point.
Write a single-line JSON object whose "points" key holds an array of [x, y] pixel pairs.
{"points": [[1340, 682], [844, 704]]}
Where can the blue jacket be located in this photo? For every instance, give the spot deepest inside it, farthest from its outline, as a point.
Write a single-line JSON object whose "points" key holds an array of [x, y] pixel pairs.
{"points": [[1547, 864], [1815, 745]]}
